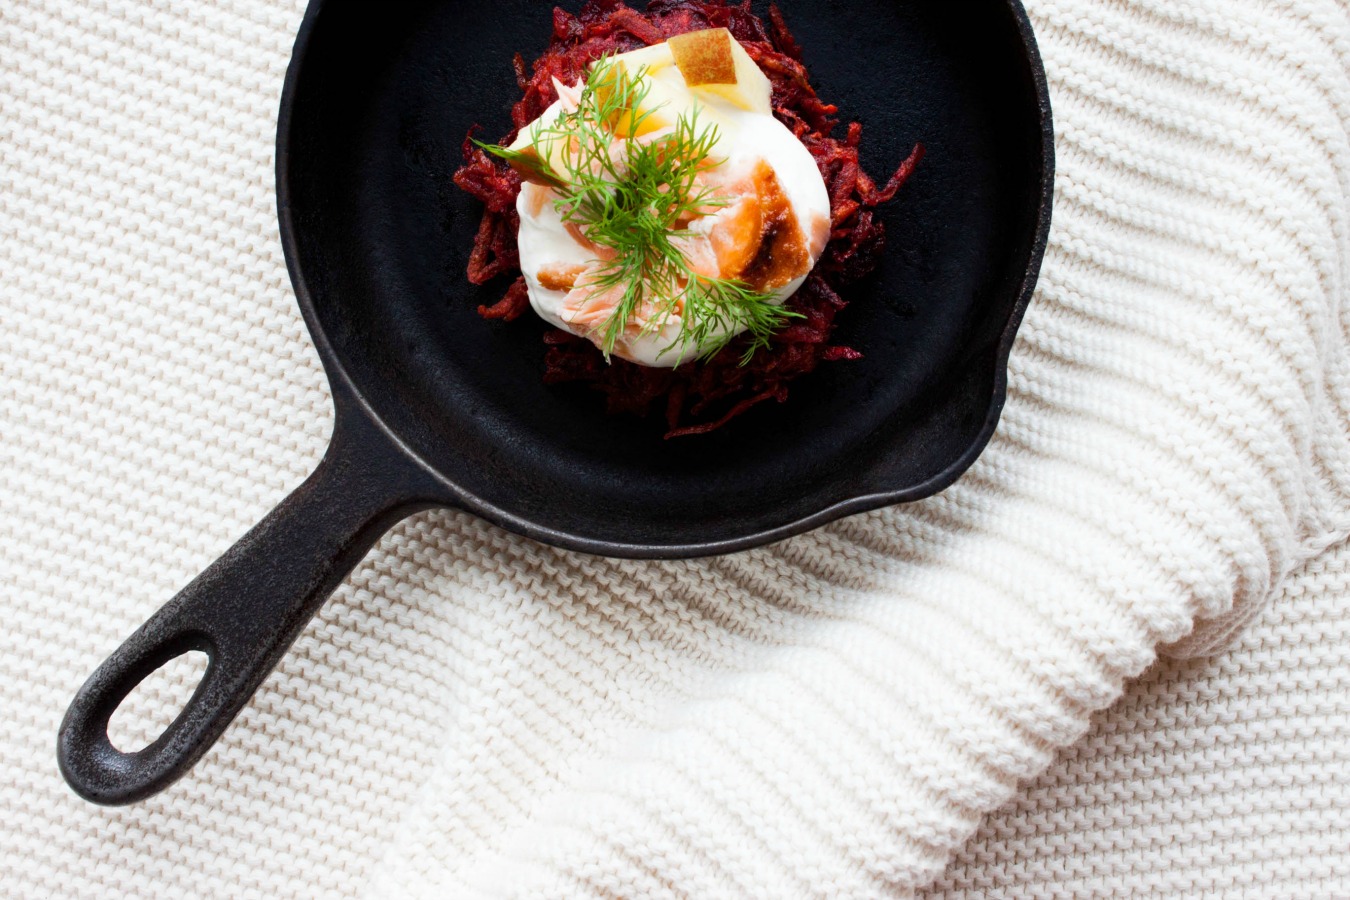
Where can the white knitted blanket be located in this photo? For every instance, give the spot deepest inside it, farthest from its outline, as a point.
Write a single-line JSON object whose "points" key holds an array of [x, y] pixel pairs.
{"points": [[1221, 776], [474, 714]]}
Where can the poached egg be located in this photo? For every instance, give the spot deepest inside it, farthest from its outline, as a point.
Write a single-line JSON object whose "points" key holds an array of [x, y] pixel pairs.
{"points": [[769, 231]]}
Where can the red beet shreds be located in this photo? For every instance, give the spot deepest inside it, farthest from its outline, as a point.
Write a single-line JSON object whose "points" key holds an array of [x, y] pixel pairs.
{"points": [[695, 398]]}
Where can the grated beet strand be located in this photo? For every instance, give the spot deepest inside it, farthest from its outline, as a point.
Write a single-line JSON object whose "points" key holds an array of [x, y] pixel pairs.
{"points": [[511, 307], [696, 398]]}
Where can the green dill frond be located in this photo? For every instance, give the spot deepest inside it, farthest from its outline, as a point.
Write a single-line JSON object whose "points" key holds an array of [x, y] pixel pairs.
{"points": [[631, 201]]}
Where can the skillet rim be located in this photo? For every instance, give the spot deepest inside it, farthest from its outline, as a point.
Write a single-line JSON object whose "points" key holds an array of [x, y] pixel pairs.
{"points": [[349, 400]]}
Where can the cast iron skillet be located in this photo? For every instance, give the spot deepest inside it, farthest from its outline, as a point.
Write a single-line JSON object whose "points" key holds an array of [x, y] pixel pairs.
{"points": [[436, 408]]}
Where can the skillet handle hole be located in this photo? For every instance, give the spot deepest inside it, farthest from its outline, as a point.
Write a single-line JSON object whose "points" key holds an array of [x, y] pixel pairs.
{"points": [[155, 703]]}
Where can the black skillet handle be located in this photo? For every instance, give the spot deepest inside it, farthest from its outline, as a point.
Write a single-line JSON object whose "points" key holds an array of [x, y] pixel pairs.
{"points": [[244, 612]]}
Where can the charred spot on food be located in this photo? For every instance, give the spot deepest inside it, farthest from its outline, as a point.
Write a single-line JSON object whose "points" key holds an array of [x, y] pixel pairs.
{"points": [[780, 255]]}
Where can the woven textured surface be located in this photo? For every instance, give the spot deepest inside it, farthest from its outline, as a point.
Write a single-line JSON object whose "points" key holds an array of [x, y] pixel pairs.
{"points": [[1219, 777], [476, 714]]}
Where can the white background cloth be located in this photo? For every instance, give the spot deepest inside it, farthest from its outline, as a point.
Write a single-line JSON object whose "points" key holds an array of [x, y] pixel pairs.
{"points": [[1215, 777], [475, 714]]}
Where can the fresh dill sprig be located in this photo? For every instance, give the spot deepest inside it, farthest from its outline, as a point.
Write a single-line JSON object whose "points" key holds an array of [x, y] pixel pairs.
{"points": [[630, 196]]}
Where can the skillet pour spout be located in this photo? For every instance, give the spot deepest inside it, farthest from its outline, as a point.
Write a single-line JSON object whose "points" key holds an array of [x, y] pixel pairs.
{"points": [[437, 408]]}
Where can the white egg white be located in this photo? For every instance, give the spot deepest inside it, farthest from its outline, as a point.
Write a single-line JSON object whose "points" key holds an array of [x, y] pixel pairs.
{"points": [[746, 138]]}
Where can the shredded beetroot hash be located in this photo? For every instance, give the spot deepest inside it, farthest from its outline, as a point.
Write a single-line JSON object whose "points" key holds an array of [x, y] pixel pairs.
{"points": [[702, 397]]}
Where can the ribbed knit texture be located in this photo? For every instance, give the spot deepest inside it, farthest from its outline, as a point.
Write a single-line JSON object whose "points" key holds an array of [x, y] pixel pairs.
{"points": [[473, 714], [1214, 777]]}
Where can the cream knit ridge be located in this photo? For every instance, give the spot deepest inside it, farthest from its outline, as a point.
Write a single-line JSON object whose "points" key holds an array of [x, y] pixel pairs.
{"points": [[1214, 777]]}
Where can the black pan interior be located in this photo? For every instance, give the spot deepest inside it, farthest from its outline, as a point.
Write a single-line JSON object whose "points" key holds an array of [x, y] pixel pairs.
{"points": [[381, 102]]}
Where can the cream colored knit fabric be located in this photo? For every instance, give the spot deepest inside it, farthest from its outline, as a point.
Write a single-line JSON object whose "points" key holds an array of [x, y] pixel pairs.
{"points": [[474, 714], [1216, 777]]}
